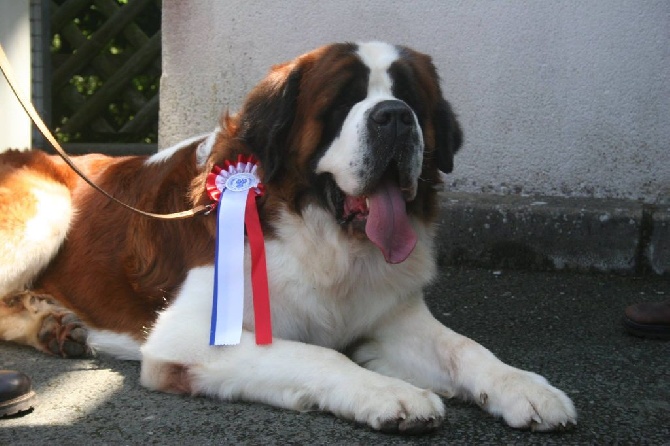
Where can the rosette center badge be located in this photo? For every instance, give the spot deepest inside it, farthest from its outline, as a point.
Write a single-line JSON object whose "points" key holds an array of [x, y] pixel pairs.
{"points": [[238, 182]]}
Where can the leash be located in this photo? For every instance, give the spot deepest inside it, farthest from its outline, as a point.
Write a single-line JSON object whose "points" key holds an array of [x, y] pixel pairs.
{"points": [[5, 67]]}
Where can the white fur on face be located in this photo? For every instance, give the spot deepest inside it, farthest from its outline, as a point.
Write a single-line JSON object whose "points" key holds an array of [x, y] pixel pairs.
{"points": [[378, 56], [344, 159]]}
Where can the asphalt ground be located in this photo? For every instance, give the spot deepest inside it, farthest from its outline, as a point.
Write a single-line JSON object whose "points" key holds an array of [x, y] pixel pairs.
{"points": [[565, 326]]}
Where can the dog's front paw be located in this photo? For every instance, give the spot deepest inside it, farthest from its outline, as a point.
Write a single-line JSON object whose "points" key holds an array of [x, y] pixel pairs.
{"points": [[63, 334], [526, 400], [399, 408]]}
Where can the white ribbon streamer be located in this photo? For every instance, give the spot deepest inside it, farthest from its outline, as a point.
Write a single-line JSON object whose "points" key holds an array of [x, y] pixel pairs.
{"points": [[229, 270]]}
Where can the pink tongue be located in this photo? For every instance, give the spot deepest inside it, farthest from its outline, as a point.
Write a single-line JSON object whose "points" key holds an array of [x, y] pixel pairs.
{"points": [[388, 225]]}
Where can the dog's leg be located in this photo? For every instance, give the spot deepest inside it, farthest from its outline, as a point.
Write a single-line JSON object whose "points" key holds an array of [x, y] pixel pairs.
{"points": [[297, 376], [35, 213], [412, 345], [177, 358], [38, 321]]}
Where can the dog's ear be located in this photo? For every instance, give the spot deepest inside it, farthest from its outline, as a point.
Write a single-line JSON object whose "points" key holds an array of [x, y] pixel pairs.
{"points": [[448, 136], [267, 117]]}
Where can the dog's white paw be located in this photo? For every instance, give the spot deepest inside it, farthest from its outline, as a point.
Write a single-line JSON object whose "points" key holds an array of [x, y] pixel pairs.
{"points": [[398, 407], [527, 400]]}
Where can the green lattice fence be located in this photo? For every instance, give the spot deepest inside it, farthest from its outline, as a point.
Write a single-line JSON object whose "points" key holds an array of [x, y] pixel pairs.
{"points": [[105, 65]]}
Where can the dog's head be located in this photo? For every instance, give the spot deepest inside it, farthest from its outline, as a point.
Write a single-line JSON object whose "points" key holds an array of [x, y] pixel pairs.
{"points": [[360, 129]]}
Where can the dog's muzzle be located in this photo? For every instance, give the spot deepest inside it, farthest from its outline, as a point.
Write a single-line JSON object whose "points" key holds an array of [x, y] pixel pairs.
{"points": [[394, 144]]}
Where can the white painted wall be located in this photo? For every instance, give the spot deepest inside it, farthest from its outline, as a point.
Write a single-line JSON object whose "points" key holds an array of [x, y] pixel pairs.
{"points": [[15, 39], [561, 98]]}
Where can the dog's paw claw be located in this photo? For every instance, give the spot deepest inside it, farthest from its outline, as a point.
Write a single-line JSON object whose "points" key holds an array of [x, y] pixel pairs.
{"points": [[412, 426], [530, 402], [402, 409]]}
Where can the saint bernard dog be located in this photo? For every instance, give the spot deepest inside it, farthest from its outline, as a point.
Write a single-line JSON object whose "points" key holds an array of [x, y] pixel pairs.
{"points": [[351, 138]]}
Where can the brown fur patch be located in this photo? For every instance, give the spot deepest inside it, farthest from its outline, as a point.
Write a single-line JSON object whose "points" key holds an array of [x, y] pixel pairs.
{"points": [[117, 269]]}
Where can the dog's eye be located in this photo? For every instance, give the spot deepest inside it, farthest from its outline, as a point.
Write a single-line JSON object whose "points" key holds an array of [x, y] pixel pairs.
{"points": [[350, 95]]}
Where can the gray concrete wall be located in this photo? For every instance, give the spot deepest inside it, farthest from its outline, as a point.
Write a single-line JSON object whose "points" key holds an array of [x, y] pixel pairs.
{"points": [[566, 98]]}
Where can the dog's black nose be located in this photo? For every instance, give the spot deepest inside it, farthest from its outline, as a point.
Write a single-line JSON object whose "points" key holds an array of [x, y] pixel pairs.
{"points": [[392, 114]]}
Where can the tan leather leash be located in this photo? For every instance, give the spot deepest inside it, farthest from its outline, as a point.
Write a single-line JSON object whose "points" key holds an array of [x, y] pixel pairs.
{"points": [[5, 67]]}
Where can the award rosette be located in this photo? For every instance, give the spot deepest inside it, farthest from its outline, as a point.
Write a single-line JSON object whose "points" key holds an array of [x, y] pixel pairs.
{"points": [[234, 187]]}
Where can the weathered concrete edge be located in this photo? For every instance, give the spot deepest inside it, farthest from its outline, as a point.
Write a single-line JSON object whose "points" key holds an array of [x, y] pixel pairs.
{"points": [[548, 233]]}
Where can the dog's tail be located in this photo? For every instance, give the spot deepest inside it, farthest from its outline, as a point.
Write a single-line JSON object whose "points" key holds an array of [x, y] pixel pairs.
{"points": [[121, 346]]}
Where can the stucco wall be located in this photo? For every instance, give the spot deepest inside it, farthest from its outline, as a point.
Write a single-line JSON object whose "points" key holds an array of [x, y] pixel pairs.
{"points": [[560, 98], [15, 38]]}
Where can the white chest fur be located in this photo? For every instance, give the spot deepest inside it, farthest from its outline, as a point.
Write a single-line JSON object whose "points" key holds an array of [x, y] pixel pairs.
{"points": [[328, 288]]}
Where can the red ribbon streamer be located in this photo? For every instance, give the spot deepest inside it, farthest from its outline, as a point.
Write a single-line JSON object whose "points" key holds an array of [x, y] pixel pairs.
{"points": [[259, 273]]}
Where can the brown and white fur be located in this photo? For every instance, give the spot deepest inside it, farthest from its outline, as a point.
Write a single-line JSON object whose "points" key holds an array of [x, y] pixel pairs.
{"points": [[335, 130]]}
